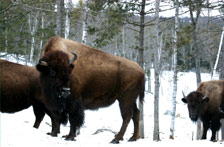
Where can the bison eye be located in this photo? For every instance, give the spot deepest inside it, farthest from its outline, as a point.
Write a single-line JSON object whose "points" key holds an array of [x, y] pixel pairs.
{"points": [[52, 73]]}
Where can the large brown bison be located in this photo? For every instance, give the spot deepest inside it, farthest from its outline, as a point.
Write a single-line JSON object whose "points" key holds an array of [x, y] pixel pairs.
{"points": [[99, 79], [204, 104], [20, 89]]}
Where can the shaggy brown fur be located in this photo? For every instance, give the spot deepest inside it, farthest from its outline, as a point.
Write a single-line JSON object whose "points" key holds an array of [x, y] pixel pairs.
{"points": [[20, 88], [204, 104], [55, 71], [222, 102], [100, 78]]}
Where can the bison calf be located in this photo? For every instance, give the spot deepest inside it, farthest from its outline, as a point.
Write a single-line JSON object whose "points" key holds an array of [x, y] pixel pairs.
{"points": [[204, 104]]}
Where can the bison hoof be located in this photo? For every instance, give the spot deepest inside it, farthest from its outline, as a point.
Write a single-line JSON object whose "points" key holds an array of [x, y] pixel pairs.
{"points": [[53, 134], [115, 141], [133, 138], [70, 139]]}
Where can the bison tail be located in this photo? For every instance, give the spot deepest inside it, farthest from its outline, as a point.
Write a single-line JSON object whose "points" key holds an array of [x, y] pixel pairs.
{"points": [[142, 90]]}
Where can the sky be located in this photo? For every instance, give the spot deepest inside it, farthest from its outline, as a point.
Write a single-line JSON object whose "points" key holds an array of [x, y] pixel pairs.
{"points": [[166, 4]]}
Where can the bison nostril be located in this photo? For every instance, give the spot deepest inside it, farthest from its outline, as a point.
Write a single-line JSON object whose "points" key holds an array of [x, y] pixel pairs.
{"points": [[221, 109], [194, 117], [66, 89]]}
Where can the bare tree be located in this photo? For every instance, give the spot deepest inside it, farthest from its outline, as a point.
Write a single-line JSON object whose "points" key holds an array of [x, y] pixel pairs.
{"points": [[176, 4], [141, 61], [32, 29], [196, 6], [60, 15], [156, 136], [84, 24]]}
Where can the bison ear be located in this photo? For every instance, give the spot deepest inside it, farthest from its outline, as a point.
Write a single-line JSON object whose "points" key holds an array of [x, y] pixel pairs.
{"points": [[42, 66], [184, 100], [71, 66]]}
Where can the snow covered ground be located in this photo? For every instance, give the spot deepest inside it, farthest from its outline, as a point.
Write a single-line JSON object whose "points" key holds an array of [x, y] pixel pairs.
{"points": [[17, 130]]}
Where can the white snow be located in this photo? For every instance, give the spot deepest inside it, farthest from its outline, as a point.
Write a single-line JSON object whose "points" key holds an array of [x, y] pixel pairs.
{"points": [[17, 130]]}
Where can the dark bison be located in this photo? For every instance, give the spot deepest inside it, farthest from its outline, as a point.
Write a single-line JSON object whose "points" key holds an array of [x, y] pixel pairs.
{"points": [[99, 79], [20, 89], [204, 104], [55, 69]]}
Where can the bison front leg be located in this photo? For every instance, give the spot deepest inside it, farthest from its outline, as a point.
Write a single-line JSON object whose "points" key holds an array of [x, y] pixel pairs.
{"points": [[205, 129], [76, 117], [55, 121], [55, 128], [72, 133]]}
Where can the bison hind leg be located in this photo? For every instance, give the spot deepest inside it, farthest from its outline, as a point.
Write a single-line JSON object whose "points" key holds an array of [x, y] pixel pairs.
{"points": [[129, 111], [135, 119], [215, 126], [39, 112]]}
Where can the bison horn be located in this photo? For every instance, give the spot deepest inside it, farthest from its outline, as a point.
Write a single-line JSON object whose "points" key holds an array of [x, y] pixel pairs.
{"points": [[74, 58], [183, 94], [43, 63], [206, 95]]}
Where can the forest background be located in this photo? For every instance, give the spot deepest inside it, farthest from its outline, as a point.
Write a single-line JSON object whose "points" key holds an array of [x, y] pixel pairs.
{"points": [[173, 35]]}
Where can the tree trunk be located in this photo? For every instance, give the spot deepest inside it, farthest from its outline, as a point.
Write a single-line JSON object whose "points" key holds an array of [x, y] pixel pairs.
{"points": [[84, 24], [221, 76], [60, 14], [67, 20], [156, 136], [42, 34], [194, 22], [123, 42], [176, 4], [141, 61], [218, 54], [32, 29], [222, 61]]}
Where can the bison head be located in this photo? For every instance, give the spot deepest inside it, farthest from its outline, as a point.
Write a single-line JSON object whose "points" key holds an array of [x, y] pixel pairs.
{"points": [[55, 69], [195, 101]]}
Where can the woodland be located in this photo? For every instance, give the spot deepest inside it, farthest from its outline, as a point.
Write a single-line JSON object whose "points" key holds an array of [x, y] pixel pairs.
{"points": [[164, 35]]}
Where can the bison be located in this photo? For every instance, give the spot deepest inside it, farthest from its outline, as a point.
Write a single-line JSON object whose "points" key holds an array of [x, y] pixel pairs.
{"points": [[55, 69], [20, 89], [204, 104], [99, 79]]}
